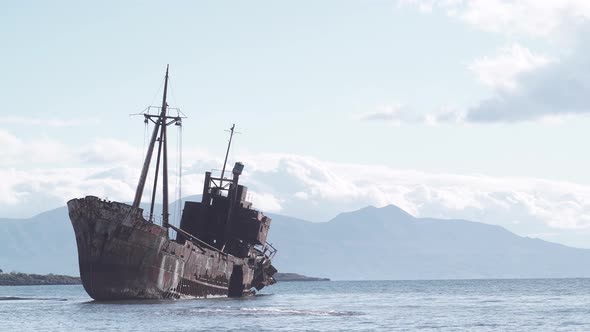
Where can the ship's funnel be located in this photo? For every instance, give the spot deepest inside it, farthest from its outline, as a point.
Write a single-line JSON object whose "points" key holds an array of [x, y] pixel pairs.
{"points": [[238, 168]]}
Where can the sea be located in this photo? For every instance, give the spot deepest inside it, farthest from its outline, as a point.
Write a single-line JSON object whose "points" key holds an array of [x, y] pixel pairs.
{"points": [[440, 305]]}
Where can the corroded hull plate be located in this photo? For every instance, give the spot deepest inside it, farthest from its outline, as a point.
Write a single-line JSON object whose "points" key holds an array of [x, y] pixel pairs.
{"points": [[122, 256]]}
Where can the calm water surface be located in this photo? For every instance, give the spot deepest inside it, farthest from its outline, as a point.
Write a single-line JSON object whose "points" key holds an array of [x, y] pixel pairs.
{"points": [[474, 305]]}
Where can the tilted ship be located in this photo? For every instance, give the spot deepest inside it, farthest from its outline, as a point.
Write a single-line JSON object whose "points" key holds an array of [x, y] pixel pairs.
{"points": [[219, 249]]}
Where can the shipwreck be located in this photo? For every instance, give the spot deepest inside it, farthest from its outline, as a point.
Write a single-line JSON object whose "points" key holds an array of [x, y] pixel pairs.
{"points": [[219, 247]]}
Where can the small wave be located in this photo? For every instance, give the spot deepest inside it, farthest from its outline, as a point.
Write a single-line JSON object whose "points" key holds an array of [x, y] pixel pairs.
{"points": [[209, 310], [295, 312], [409, 306], [18, 298], [192, 297], [485, 325], [572, 323]]}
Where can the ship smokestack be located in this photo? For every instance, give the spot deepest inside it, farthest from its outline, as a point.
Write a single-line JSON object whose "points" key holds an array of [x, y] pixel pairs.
{"points": [[238, 168]]}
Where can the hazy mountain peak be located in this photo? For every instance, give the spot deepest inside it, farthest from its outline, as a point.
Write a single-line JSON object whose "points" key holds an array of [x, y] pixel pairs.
{"points": [[369, 243], [388, 213], [395, 210]]}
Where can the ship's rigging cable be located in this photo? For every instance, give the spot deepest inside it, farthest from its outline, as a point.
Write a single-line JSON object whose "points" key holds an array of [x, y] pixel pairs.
{"points": [[158, 92], [177, 209], [179, 177], [145, 135], [162, 121]]}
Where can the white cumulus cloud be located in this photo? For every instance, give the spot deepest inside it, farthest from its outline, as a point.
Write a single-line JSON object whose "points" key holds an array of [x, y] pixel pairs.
{"points": [[503, 70], [526, 86], [50, 122], [536, 18], [314, 189]]}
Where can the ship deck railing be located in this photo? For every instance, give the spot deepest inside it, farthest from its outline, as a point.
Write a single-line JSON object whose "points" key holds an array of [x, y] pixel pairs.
{"points": [[185, 234], [196, 240], [268, 250]]}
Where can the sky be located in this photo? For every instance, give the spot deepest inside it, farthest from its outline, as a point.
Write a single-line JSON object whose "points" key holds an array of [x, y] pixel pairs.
{"points": [[447, 108]]}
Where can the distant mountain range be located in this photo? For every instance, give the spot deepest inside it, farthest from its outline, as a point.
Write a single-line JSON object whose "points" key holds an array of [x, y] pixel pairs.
{"points": [[370, 243]]}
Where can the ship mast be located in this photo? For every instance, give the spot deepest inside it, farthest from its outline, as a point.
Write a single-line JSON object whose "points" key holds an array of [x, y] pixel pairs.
{"points": [[160, 123]]}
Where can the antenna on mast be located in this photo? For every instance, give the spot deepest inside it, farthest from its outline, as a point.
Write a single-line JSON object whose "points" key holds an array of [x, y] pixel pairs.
{"points": [[231, 135], [161, 118]]}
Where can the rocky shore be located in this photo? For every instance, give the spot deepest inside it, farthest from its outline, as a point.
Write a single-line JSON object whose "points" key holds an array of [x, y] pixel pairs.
{"points": [[24, 279], [280, 277]]}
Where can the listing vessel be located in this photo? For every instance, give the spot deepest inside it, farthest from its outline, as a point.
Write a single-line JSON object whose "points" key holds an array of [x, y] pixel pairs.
{"points": [[219, 247]]}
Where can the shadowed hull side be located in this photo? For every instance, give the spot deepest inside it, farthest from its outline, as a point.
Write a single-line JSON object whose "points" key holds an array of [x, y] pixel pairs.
{"points": [[122, 256]]}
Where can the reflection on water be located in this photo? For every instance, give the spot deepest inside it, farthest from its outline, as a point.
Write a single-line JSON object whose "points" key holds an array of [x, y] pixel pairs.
{"points": [[17, 298]]}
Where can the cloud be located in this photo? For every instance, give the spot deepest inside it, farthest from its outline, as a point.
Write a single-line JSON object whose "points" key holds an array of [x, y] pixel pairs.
{"points": [[301, 195], [553, 89], [537, 18], [16, 151], [445, 115], [503, 70], [266, 202], [41, 174], [314, 189], [26, 192], [526, 86], [21, 120], [330, 188], [394, 113], [109, 151], [533, 18]]}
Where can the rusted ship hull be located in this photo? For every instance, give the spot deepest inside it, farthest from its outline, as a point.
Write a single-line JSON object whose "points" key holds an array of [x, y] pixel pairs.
{"points": [[220, 246], [123, 256]]}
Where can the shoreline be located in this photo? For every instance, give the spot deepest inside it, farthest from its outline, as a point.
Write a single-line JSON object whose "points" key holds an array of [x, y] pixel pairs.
{"points": [[26, 279]]}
